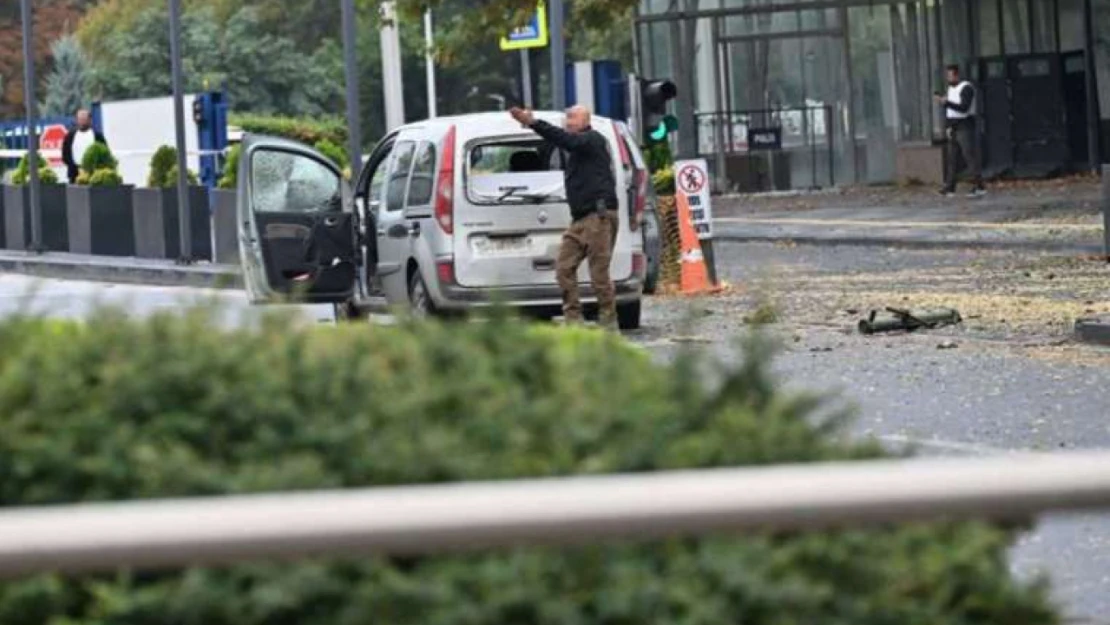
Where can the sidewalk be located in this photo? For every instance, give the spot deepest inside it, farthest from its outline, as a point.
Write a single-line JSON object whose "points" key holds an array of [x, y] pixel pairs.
{"points": [[119, 270], [1060, 215]]}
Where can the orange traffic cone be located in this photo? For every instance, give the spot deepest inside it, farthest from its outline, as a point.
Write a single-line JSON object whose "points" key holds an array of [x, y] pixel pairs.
{"points": [[695, 275]]}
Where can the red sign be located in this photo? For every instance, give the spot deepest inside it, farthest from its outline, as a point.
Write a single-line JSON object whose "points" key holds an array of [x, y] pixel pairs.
{"points": [[52, 139], [692, 179]]}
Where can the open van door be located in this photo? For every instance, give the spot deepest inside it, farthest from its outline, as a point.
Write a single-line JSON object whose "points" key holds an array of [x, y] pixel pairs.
{"points": [[297, 234]]}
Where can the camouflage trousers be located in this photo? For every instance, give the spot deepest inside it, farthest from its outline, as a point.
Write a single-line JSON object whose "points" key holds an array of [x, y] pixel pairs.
{"points": [[591, 239]]}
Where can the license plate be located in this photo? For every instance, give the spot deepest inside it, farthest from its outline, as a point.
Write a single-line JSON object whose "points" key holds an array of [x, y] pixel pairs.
{"points": [[502, 246]]}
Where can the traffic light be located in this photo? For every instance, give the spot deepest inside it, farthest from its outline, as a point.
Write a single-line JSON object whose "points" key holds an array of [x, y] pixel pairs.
{"points": [[656, 124]]}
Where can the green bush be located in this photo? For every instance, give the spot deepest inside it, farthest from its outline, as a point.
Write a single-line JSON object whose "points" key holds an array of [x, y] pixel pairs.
{"points": [[164, 159], [171, 177], [105, 178], [170, 407], [230, 177], [659, 156], [307, 131], [22, 173], [334, 152], [163, 169], [663, 181], [98, 156]]}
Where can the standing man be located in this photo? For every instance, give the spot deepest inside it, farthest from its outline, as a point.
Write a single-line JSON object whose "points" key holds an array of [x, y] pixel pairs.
{"points": [[592, 194], [962, 129], [77, 140]]}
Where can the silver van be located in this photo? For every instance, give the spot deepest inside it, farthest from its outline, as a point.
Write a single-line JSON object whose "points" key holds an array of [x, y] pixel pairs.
{"points": [[447, 214]]}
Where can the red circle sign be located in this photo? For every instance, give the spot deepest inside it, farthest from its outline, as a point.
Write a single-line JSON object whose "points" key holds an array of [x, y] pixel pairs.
{"points": [[52, 139], [691, 179]]}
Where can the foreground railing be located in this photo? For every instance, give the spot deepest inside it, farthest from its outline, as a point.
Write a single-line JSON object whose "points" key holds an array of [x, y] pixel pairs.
{"points": [[431, 519]]}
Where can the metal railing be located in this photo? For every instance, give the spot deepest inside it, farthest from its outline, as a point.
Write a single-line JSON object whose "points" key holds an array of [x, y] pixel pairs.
{"points": [[806, 131], [432, 519]]}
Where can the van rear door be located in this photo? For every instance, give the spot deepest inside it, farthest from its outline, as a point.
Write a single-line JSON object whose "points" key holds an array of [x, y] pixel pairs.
{"points": [[511, 212]]}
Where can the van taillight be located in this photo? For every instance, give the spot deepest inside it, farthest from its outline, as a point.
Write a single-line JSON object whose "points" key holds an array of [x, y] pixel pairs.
{"points": [[445, 185], [639, 265]]}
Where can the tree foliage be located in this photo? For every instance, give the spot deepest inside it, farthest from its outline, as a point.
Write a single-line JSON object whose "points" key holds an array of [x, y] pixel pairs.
{"points": [[65, 86]]}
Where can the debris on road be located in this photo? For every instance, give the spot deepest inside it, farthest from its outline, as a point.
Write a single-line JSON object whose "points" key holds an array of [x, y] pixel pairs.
{"points": [[948, 345], [896, 319]]}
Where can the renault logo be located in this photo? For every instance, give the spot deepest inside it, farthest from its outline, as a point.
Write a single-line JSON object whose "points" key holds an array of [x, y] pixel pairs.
{"points": [[543, 217]]}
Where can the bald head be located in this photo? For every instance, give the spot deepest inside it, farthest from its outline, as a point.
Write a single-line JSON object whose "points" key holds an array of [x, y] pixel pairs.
{"points": [[578, 118], [84, 119]]}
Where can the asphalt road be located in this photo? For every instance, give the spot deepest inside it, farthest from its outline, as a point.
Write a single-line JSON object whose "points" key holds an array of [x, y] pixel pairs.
{"points": [[1002, 388]]}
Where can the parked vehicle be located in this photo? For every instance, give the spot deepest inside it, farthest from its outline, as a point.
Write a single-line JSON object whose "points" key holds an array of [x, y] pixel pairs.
{"points": [[447, 215]]}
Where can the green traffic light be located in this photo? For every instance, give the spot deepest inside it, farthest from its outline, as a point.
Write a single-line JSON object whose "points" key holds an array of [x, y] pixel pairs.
{"points": [[667, 125]]}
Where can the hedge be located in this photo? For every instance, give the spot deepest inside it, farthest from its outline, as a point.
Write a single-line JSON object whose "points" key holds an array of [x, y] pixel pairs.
{"points": [[307, 131], [177, 406]]}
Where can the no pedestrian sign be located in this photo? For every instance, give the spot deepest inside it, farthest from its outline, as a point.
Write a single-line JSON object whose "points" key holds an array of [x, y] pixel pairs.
{"points": [[692, 186], [531, 35]]}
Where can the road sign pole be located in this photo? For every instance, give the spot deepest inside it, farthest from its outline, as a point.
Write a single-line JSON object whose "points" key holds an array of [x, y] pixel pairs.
{"points": [[430, 63], [32, 126], [526, 77], [558, 57], [183, 213]]}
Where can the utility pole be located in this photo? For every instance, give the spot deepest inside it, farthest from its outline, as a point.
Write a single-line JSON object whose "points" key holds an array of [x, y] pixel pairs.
{"points": [[31, 111], [350, 70], [430, 63], [558, 56], [183, 213], [392, 81]]}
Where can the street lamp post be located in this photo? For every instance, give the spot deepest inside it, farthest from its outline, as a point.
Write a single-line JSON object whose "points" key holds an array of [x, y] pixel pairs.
{"points": [[183, 213], [32, 126]]}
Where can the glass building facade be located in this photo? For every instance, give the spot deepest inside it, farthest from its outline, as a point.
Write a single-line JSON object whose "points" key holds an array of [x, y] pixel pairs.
{"points": [[849, 83]]}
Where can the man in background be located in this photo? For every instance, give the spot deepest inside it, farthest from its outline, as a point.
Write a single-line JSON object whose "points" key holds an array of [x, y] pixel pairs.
{"points": [[962, 129], [78, 139]]}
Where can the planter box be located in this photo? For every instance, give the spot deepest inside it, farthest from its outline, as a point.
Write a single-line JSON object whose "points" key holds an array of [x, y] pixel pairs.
{"points": [[225, 226], [101, 220], [17, 218], [156, 219], [3, 221]]}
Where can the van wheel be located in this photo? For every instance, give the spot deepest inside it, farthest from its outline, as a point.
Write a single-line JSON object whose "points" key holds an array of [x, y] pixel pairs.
{"points": [[628, 315], [420, 301]]}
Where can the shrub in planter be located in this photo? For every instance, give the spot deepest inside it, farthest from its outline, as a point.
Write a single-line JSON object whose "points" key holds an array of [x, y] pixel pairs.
{"points": [[337, 155], [156, 213], [121, 409], [100, 208], [230, 177], [305, 130], [17, 209]]}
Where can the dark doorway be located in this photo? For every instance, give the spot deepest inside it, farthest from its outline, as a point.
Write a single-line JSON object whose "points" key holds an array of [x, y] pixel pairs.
{"points": [[997, 124], [1075, 104], [1034, 109]]}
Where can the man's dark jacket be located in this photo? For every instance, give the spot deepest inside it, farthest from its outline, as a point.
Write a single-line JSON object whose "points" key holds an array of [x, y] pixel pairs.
{"points": [[589, 171], [72, 166]]}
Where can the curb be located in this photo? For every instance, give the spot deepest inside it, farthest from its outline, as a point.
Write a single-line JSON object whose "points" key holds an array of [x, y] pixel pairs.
{"points": [[120, 270], [925, 244], [1095, 330]]}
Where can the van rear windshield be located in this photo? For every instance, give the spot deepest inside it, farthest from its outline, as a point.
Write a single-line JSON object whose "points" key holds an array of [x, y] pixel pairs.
{"points": [[516, 172]]}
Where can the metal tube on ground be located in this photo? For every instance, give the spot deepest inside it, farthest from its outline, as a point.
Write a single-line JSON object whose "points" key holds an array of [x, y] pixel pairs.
{"points": [[183, 212]]}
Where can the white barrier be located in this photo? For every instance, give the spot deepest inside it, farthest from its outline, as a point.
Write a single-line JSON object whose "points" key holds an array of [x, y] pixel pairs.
{"points": [[430, 519]]}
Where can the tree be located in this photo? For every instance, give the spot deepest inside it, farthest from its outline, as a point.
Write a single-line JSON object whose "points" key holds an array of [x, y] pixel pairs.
{"points": [[65, 86]]}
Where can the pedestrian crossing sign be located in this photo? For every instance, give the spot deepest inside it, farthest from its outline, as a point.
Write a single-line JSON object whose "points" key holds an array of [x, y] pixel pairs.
{"points": [[531, 35]]}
